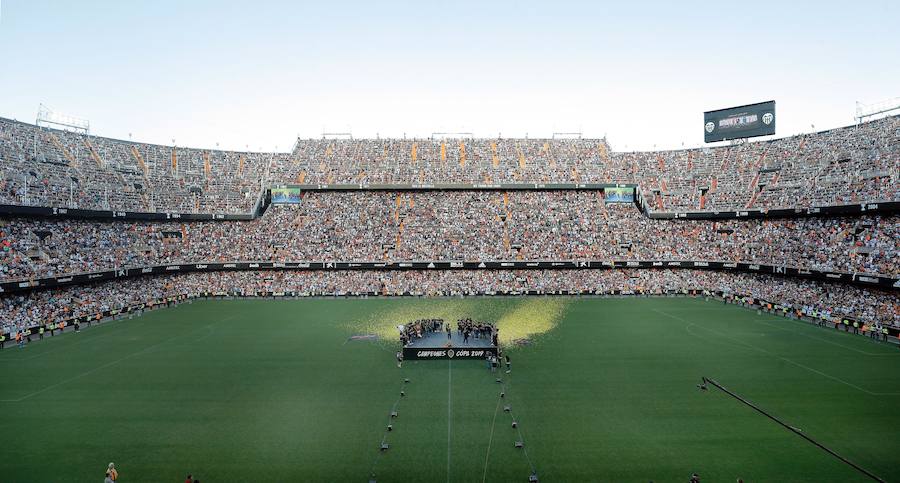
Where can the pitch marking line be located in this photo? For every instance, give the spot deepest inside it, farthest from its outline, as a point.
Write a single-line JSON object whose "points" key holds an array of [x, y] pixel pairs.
{"points": [[687, 329], [57, 349], [749, 346], [91, 371], [490, 440], [889, 354], [449, 406], [211, 332], [86, 373]]}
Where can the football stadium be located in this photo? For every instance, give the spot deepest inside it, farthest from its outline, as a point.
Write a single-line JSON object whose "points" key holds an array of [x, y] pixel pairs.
{"points": [[444, 303]]}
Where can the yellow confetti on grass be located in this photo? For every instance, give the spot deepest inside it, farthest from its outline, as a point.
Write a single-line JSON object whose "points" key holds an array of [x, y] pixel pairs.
{"points": [[532, 317], [517, 318]]}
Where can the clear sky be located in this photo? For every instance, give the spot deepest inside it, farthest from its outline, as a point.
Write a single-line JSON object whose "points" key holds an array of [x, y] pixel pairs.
{"points": [[259, 73]]}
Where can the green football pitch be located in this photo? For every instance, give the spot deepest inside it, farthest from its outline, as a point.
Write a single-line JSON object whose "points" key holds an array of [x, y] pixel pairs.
{"points": [[605, 389]]}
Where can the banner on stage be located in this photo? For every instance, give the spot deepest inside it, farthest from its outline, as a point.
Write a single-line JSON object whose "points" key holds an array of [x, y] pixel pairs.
{"points": [[417, 353]]}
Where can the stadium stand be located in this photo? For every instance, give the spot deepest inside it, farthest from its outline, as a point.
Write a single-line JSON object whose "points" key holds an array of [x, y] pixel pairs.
{"points": [[45, 167], [841, 166], [42, 167], [810, 298], [384, 225]]}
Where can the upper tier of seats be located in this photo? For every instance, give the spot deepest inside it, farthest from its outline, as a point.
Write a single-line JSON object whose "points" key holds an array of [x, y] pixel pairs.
{"points": [[44, 167]]}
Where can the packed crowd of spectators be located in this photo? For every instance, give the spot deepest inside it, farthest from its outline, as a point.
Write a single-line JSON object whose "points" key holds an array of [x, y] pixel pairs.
{"points": [[456, 225], [828, 300], [851, 165], [842, 166], [54, 168]]}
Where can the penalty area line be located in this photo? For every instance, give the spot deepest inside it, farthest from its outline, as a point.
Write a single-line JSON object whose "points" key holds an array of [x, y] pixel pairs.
{"points": [[752, 347], [111, 363]]}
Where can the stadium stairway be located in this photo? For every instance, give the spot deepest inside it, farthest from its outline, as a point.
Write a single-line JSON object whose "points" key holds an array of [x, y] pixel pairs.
{"points": [[462, 154], [93, 152], [504, 220], [66, 153]]}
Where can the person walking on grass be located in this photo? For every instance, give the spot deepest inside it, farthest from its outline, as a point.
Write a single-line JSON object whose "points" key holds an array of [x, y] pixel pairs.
{"points": [[112, 473], [507, 363], [399, 359]]}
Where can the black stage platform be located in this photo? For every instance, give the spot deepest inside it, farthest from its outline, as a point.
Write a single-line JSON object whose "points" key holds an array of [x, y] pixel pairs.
{"points": [[436, 345]]}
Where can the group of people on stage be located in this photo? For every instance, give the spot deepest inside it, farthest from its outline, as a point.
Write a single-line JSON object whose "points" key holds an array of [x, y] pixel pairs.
{"points": [[480, 330], [417, 329], [465, 328]]}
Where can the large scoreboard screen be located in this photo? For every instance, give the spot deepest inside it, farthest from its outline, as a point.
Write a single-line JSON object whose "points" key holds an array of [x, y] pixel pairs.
{"points": [[283, 195], [739, 122], [618, 195]]}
